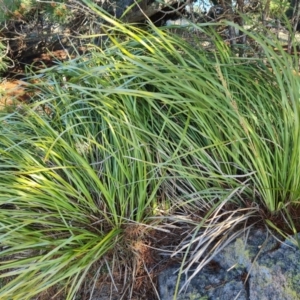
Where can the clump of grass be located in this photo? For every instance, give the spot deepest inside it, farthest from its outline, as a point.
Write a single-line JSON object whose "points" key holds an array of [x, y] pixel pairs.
{"points": [[145, 132], [73, 180]]}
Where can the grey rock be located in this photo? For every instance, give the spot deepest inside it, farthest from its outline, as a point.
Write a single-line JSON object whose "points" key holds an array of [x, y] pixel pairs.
{"points": [[272, 266]]}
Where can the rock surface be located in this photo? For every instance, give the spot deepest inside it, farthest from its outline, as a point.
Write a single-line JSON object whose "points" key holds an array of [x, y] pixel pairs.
{"points": [[273, 267]]}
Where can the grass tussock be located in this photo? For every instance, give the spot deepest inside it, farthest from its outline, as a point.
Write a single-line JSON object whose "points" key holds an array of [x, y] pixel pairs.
{"points": [[129, 145]]}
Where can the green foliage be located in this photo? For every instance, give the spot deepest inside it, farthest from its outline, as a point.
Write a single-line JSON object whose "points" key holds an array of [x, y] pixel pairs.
{"points": [[278, 8], [28, 9], [148, 128]]}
